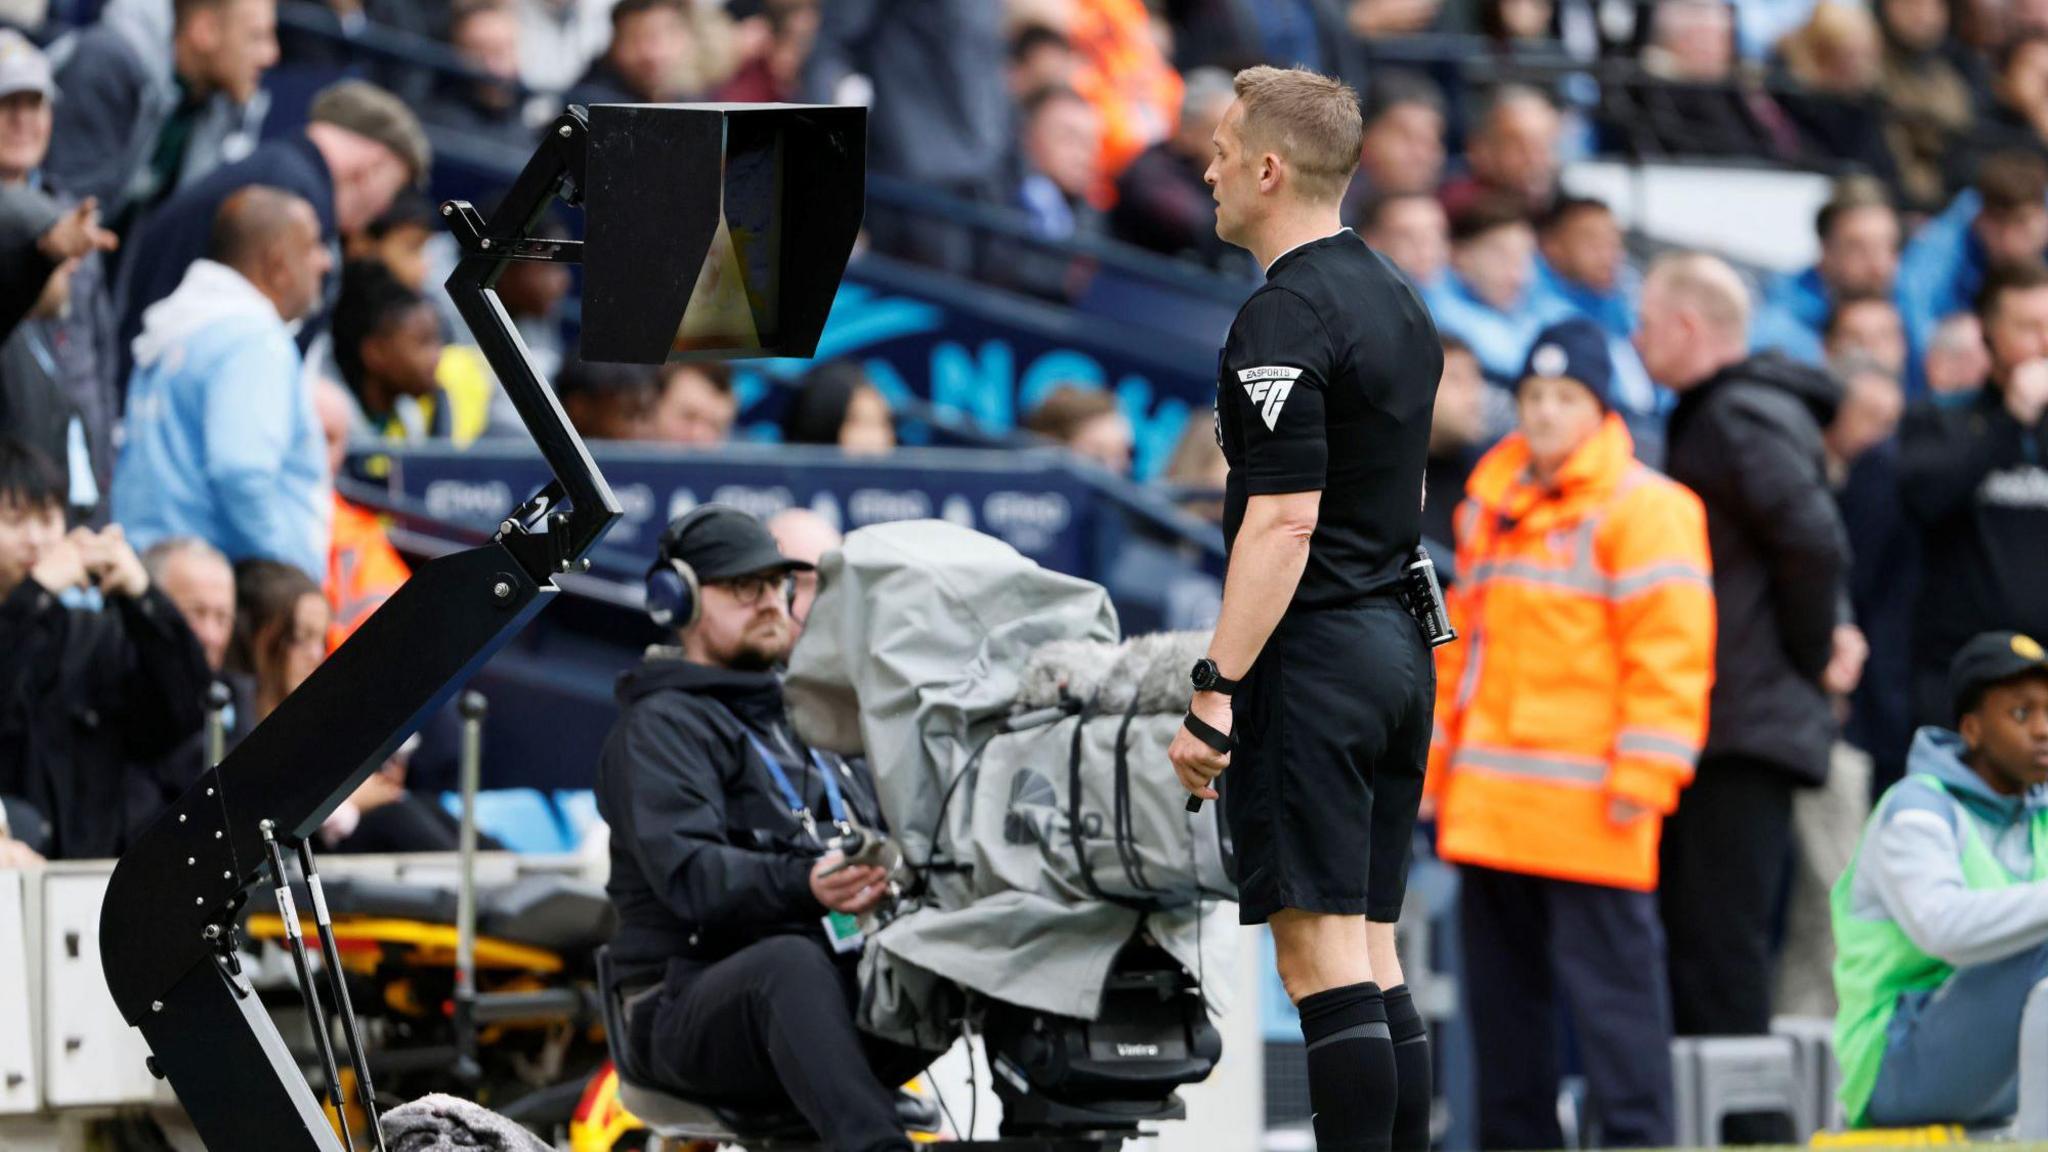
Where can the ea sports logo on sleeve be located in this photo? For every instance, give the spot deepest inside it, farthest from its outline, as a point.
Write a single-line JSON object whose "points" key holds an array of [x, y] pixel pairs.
{"points": [[1268, 388]]}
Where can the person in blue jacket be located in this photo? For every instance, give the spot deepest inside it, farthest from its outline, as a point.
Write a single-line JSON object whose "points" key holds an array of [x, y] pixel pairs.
{"points": [[2002, 220], [1488, 298], [1581, 263], [1859, 259], [222, 439]]}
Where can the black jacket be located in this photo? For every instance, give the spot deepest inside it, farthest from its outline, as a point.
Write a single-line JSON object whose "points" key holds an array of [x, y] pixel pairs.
{"points": [[1443, 487], [155, 783], [1162, 203], [1748, 442], [706, 857], [34, 408], [1976, 483], [602, 84], [1884, 583], [84, 695], [25, 214], [459, 103], [942, 112]]}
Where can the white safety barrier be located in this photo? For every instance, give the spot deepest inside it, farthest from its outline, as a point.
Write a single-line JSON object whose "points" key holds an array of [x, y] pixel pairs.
{"points": [[64, 1047]]}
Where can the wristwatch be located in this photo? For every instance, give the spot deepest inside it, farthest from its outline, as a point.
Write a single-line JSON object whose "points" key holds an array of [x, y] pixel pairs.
{"points": [[1207, 679]]}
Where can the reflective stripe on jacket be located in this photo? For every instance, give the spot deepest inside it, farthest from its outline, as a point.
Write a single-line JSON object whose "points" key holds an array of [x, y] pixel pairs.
{"points": [[1588, 614], [363, 569]]}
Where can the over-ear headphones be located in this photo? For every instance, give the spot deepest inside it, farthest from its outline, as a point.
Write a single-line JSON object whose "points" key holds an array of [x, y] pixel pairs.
{"points": [[674, 598]]}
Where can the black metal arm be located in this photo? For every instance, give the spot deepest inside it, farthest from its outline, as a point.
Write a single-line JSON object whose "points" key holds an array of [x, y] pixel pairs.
{"points": [[167, 925]]}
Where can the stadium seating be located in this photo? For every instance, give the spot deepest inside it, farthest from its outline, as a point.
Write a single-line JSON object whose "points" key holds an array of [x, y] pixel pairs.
{"points": [[1723, 1076]]}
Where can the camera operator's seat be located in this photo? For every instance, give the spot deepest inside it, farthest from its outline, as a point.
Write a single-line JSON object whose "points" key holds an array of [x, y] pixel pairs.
{"points": [[760, 1128]]}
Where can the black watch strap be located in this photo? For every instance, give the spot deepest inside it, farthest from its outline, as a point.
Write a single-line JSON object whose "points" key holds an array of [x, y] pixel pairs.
{"points": [[1207, 733], [1217, 681]]}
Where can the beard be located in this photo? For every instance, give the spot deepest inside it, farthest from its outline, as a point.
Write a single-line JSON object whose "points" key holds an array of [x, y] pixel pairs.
{"points": [[760, 649], [752, 658]]}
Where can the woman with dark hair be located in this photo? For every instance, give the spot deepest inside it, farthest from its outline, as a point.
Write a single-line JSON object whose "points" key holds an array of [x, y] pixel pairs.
{"points": [[280, 632], [835, 404], [281, 619]]}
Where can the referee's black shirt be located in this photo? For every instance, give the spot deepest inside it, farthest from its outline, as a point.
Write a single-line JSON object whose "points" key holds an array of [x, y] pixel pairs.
{"points": [[1327, 382]]}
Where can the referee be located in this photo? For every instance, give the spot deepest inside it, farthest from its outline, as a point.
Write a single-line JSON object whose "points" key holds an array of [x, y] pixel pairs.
{"points": [[1318, 686]]}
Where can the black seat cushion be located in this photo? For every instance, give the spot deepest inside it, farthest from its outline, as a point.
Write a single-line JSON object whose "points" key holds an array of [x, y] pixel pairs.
{"points": [[388, 899]]}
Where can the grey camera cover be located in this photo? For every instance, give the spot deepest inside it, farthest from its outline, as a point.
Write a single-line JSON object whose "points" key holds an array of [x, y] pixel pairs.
{"points": [[925, 636]]}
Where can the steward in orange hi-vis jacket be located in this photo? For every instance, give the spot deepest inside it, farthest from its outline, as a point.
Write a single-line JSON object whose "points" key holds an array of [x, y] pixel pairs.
{"points": [[1588, 616], [1567, 722], [363, 569]]}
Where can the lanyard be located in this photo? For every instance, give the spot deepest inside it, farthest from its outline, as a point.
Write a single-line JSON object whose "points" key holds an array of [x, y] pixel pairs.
{"points": [[41, 351], [797, 808]]}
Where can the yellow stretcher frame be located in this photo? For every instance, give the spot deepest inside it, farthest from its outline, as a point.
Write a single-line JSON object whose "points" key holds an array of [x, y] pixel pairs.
{"points": [[432, 945]]}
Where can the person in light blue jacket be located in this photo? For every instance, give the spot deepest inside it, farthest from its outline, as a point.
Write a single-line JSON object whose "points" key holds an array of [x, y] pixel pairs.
{"points": [[2002, 219], [222, 439], [1488, 297], [1582, 264], [1859, 259]]}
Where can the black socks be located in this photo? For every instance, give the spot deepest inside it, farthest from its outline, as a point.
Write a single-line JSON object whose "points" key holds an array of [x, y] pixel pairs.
{"points": [[1412, 1071], [1368, 1069], [1351, 1077]]}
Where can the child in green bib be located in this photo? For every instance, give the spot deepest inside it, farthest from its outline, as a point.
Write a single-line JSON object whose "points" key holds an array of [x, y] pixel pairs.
{"points": [[1941, 920]]}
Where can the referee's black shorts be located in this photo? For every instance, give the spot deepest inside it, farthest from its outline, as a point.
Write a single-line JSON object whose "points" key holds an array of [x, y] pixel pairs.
{"points": [[1331, 729]]}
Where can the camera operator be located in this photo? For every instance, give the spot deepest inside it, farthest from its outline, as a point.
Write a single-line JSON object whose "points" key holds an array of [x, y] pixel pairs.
{"points": [[738, 934]]}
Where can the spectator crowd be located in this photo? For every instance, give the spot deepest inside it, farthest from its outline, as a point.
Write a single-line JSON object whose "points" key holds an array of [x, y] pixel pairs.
{"points": [[1763, 516]]}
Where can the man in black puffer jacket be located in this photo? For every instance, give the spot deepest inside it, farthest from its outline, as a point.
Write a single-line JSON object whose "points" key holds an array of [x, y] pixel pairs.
{"points": [[1746, 438], [1974, 477], [738, 941]]}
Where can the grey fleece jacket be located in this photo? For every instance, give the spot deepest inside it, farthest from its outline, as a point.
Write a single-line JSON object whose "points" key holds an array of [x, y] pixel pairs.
{"points": [[1911, 872], [117, 89]]}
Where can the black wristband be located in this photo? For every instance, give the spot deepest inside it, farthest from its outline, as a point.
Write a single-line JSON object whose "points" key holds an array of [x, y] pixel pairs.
{"points": [[1206, 678], [1207, 733]]}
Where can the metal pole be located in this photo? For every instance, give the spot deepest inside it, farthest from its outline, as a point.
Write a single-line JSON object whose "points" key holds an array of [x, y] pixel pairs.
{"points": [[290, 915], [217, 700], [472, 707], [351, 1032]]}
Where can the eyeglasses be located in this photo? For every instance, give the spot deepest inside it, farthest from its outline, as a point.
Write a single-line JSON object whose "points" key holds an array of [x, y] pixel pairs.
{"points": [[748, 590]]}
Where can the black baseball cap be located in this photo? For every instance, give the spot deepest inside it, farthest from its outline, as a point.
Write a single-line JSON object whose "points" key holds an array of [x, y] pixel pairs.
{"points": [[1992, 658], [720, 542]]}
